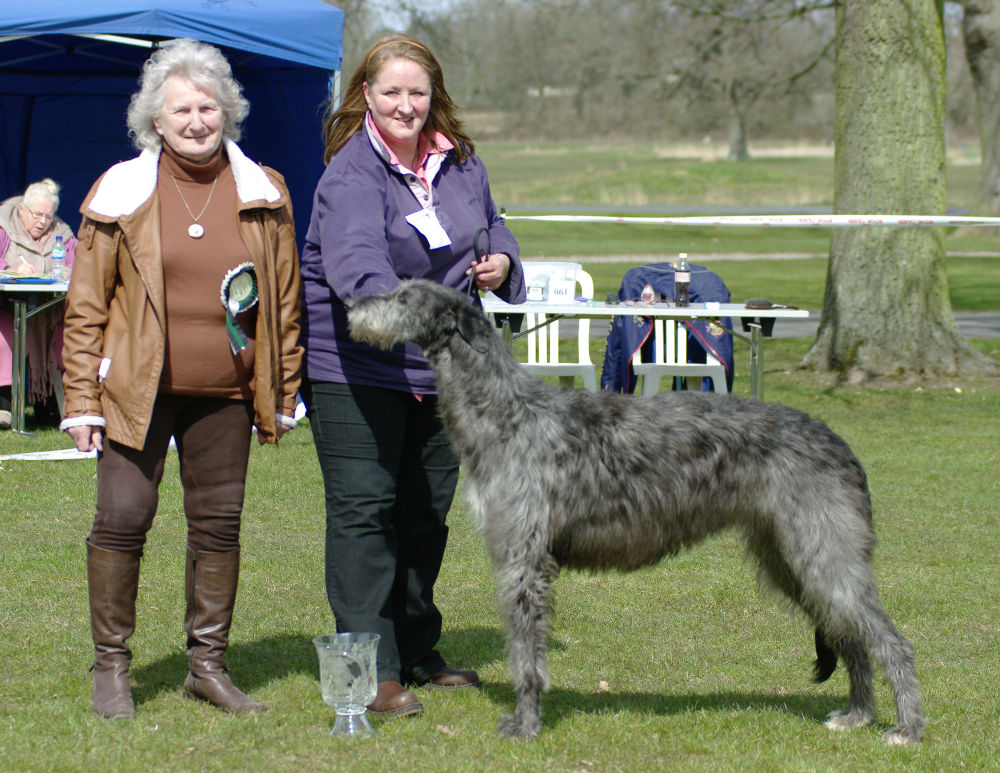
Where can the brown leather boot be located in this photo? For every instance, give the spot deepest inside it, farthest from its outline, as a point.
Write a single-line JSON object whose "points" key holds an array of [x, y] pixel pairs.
{"points": [[210, 581], [113, 581]]}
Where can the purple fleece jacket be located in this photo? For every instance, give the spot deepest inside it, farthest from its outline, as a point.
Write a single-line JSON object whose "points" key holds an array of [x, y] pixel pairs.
{"points": [[359, 243]]}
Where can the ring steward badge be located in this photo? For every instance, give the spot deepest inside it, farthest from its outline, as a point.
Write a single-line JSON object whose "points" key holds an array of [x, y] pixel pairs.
{"points": [[238, 294]]}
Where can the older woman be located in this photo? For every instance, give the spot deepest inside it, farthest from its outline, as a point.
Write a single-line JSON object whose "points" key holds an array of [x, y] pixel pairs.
{"points": [[28, 230], [181, 321], [403, 195]]}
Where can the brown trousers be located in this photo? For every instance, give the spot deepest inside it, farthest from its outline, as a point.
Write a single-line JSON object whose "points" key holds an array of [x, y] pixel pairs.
{"points": [[213, 448]]}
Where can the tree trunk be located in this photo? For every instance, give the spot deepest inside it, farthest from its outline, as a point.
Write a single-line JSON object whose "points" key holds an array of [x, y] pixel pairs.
{"points": [[886, 312], [981, 29], [737, 136], [737, 120]]}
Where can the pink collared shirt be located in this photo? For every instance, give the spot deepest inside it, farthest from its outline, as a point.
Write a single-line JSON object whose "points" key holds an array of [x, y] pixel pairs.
{"points": [[436, 146]]}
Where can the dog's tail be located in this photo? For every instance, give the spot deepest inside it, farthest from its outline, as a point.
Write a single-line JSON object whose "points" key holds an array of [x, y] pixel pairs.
{"points": [[826, 658]]}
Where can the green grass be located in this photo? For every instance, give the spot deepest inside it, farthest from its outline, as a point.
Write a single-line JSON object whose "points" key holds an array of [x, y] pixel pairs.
{"points": [[642, 179], [642, 174], [973, 282], [544, 240], [547, 175], [682, 666], [540, 240]]}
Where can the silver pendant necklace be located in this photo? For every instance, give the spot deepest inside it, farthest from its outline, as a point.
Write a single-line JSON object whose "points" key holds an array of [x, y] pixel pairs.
{"points": [[196, 230]]}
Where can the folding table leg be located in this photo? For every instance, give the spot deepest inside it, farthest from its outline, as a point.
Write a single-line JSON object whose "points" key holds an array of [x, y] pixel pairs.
{"points": [[756, 363]]}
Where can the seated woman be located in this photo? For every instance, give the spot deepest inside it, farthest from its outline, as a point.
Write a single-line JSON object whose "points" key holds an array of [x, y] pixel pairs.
{"points": [[28, 229]]}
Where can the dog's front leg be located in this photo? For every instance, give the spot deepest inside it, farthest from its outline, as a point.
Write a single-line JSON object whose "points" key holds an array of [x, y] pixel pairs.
{"points": [[524, 596]]}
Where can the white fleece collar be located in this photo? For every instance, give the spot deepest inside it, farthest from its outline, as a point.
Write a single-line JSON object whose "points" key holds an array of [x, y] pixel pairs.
{"points": [[128, 184]]}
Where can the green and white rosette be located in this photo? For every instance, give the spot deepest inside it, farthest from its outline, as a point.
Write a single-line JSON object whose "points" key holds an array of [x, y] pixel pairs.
{"points": [[238, 294]]}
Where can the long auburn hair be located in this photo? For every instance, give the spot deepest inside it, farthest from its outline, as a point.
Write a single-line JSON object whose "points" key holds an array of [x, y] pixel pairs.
{"points": [[340, 125]]}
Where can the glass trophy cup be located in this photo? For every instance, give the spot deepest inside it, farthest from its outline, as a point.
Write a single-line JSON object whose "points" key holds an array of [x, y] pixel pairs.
{"points": [[347, 676]]}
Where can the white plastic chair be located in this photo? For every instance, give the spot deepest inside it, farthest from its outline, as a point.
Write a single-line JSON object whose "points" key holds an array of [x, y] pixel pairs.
{"points": [[670, 359], [543, 343]]}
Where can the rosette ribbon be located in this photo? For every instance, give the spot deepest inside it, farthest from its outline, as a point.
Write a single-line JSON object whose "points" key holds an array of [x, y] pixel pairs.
{"points": [[238, 294]]}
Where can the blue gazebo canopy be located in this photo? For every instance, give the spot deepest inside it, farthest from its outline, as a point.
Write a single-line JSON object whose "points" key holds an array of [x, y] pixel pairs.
{"points": [[68, 69]]}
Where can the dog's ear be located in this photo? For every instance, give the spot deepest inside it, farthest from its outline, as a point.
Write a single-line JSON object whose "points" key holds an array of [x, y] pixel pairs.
{"points": [[466, 318], [461, 318], [443, 325]]}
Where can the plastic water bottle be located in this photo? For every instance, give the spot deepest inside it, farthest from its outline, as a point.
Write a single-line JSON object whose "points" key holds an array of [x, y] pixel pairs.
{"points": [[59, 260], [682, 281]]}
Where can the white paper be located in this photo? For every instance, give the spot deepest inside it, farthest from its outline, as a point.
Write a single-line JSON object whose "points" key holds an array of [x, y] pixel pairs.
{"points": [[426, 221], [48, 456]]}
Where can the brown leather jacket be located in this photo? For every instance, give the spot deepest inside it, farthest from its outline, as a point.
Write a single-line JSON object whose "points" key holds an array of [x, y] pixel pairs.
{"points": [[114, 336]]}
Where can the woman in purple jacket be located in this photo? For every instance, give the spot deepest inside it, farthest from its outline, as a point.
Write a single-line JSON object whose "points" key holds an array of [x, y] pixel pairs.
{"points": [[403, 196]]}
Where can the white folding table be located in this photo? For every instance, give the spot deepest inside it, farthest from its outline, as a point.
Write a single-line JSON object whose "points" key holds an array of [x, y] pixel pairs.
{"points": [[759, 322]]}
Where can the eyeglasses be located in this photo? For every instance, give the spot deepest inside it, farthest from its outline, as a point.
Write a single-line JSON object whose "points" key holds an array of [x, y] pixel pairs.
{"points": [[45, 217]]}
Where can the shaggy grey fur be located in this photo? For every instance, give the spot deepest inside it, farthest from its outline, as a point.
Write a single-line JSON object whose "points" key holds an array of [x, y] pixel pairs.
{"points": [[564, 478]]}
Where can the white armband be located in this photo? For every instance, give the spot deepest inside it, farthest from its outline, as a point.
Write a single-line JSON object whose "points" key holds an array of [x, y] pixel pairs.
{"points": [[82, 421]]}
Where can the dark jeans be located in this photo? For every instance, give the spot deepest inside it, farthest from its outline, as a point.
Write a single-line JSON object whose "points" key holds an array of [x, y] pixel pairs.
{"points": [[389, 475], [213, 447]]}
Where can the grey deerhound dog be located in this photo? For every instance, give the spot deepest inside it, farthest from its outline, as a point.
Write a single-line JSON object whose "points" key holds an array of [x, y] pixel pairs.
{"points": [[564, 478]]}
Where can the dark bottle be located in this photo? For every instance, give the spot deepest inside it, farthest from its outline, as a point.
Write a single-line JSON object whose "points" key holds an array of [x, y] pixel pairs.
{"points": [[682, 281]]}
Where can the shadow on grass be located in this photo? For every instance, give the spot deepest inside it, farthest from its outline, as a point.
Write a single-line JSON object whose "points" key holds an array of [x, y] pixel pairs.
{"points": [[479, 647], [473, 647], [252, 665], [560, 704], [258, 663]]}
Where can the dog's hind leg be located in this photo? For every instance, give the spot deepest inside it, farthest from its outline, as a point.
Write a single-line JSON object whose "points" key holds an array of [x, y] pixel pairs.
{"points": [[839, 593], [895, 654], [826, 657], [867, 628], [774, 572], [838, 630], [861, 696], [822, 560], [525, 591]]}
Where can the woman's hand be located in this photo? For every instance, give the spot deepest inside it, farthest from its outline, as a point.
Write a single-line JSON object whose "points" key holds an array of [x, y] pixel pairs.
{"points": [[280, 428], [279, 431], [491, 272], [87, 438]]}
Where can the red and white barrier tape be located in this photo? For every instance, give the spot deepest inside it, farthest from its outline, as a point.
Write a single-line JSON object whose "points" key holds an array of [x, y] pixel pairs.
{"points": [[779, 221]]}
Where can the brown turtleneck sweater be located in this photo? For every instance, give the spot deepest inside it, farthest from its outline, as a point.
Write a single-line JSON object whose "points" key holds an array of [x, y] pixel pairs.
{"points": [[198, 359]]}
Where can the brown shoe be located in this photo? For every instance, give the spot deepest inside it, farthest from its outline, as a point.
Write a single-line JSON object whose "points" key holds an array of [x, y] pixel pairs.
{"points": [[449, 678], [393, 701]]}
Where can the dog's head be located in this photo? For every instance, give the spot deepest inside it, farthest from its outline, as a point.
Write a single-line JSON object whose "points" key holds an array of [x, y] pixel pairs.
{"points": [[418, 310]]}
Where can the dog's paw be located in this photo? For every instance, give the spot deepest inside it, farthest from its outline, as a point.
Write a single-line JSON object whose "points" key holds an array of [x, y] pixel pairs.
{"points": [[902, 736], [516, 726], [847, 720]]}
